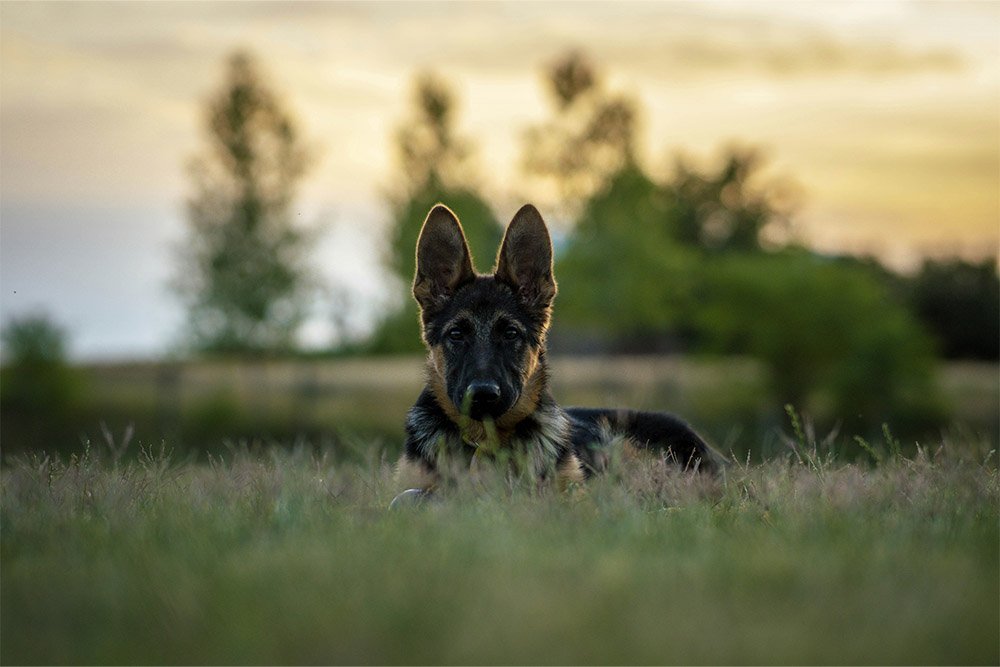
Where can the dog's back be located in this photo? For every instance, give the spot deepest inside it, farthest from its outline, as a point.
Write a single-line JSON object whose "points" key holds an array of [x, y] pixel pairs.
{"points": [[595, 430]]}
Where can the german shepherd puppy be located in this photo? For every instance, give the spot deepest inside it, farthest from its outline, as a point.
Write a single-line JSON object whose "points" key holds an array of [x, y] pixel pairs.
{"points": [[487, 393]]}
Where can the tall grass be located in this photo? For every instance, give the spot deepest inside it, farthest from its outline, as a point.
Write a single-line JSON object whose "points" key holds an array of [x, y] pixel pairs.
{"points": [[290, 556]]}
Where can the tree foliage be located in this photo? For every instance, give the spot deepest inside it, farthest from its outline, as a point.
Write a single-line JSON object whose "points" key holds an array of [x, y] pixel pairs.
{"points": [[630, 267], [621, 273], [435, 165], [431, 153], [243, 276], [591, 136], [826, 331], [34, 341], [731, 207], [960, 304], [38, 386], [690, 262]]}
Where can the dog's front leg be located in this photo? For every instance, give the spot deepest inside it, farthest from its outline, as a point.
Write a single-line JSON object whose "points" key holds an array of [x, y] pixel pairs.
{"points": [[419, 479]]}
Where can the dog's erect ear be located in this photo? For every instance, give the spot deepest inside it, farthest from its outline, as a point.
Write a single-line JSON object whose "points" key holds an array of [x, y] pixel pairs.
{"points": [[525, 259], [443, 259]]}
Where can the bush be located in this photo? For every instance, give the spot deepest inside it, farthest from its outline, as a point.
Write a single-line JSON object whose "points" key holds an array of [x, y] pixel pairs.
{"points": [[36, 374], [829, 334], [39, 392], [959, 302]]}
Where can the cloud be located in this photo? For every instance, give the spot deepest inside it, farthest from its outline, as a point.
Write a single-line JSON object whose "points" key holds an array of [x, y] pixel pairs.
{"points": [[818, 56], [129, 79]]}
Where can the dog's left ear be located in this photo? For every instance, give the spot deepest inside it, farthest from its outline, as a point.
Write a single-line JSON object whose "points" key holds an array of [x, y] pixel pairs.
{"points": [[525, 259]]}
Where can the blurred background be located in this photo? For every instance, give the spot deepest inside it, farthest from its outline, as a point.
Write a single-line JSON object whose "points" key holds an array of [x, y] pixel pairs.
{"points": [[208, 212]]}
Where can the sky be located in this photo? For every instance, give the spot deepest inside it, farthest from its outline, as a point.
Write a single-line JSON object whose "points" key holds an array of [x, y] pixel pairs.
{"points": [[885, 113]]}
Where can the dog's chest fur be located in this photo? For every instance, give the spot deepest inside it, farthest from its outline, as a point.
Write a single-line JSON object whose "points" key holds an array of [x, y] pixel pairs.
{"points": [[539, 445]]}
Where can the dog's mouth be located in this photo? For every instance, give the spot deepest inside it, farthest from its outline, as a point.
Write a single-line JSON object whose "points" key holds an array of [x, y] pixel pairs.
{"points": [[483, 412]]}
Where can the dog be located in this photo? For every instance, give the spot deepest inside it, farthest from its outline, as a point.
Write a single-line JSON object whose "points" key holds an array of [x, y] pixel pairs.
{"points": [[487, 392]]}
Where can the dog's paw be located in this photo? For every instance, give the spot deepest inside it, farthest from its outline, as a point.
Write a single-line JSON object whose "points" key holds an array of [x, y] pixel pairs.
{"points": [[410, 498]]}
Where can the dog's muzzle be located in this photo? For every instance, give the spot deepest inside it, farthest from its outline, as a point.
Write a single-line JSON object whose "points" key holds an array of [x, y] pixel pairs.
{"points": [[483, 400]]}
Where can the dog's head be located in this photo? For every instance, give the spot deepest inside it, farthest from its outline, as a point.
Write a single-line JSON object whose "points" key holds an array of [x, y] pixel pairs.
{"points": [[485, 333]]}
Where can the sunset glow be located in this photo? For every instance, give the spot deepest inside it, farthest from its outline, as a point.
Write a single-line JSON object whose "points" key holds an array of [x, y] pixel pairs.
{"points": [[886, 115]]}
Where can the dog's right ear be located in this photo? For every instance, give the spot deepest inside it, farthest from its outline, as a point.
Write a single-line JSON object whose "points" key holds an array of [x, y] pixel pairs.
{"points": [[444, 262]]}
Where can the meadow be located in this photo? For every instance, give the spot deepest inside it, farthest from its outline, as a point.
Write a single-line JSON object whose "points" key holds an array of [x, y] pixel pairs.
{"points": [[267, 555]]}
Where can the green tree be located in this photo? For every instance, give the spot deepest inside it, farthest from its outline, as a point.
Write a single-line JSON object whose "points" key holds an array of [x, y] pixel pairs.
{"points": [[243, 277], [731, 207], [435, 165], [622, 276], [959, 302], [829, 333], [39, 391], [591, 136]]}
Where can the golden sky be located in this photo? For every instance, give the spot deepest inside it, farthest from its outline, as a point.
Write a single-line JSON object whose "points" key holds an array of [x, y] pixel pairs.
{"points": [[887, 113]]}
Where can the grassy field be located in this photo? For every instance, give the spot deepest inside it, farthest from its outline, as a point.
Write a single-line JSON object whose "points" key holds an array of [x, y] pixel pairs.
{"points": [[290, 556]]}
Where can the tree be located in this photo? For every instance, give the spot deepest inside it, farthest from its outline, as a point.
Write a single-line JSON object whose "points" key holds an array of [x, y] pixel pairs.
{"points": [[590, 138], [39, 391], [242, 274], [731, 207], [959, 302], [435, 165], [828, 332], [430, 151], [623, 279], [34, 341]]}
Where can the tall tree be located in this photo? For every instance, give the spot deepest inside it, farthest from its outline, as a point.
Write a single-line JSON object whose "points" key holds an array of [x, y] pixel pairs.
{"points": [[431, 153], [435, 165], [626, 284], [959, 303], [243, 276], [591, 136], [731, 207]]}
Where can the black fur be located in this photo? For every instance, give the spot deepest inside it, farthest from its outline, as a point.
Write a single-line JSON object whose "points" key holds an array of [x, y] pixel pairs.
{"points": [[647, 430], [487, 392], [483, 332]]}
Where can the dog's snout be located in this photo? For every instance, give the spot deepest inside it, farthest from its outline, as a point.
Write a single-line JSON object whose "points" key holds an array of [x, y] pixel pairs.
{"points": [[484, 393], [482, 399]]}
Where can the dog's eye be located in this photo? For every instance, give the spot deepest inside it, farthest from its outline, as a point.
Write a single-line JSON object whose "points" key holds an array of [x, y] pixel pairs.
{"points": [[455, 334], [510, 333]]}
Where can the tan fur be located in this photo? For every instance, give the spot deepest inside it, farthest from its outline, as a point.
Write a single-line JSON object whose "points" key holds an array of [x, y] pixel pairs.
{"points": [[412, 474], [632, 452], [570, 472], [475, 432], [528, 400]]}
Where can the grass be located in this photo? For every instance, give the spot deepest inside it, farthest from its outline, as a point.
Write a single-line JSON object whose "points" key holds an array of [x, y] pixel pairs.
{"points": [[290, 556]]}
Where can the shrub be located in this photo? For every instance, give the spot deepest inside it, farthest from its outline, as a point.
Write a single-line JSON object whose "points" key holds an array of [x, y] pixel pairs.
{"points": [[829, 334], [39, 391], [960, 303]]}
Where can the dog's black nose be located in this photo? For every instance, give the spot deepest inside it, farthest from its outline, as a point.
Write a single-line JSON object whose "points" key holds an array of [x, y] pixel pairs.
{"points": [[484, 393], [482, 398]]}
